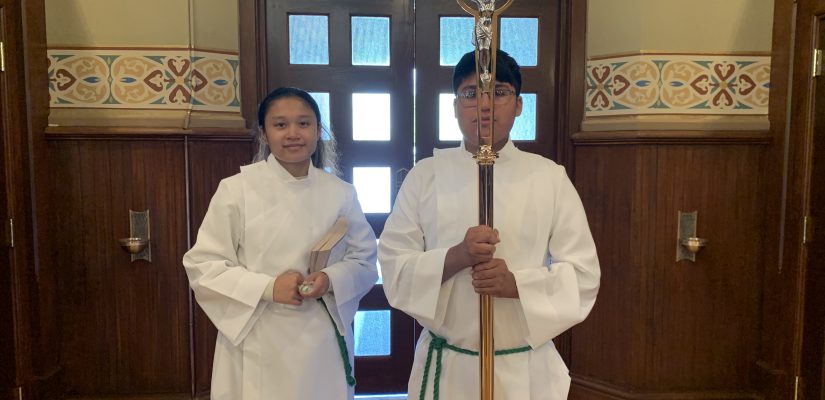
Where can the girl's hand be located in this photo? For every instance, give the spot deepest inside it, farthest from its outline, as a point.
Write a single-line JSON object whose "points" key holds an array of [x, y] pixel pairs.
{"points": [[315, 285], [285, 290]]}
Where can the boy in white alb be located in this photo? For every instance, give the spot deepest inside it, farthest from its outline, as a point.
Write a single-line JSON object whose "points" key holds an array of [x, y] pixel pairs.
{"points": [[539, 263]]}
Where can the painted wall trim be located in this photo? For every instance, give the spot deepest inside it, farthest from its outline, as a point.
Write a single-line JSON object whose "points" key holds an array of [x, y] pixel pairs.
{"points": [[129, 78], [677, 84]]}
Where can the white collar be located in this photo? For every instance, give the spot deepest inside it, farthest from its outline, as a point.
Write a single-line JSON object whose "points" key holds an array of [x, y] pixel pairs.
{"points": [[283, 175]]}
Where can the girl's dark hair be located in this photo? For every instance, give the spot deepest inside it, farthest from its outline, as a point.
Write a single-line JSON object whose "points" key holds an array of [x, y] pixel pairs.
{"points": [[325, 155]]}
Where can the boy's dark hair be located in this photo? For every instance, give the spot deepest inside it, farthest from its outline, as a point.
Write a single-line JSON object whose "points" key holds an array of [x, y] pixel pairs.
{"points": [[507, 70]]}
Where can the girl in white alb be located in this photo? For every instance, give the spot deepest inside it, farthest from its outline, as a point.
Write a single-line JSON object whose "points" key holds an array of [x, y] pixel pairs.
{"points": [[251, 260]]}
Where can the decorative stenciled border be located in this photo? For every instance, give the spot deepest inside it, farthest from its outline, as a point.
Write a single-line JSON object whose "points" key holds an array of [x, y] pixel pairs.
{"points": [[144, 79], [678, 84]]}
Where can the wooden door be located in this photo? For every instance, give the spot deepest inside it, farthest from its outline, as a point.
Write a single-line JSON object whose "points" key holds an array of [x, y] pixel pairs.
{"points": [[791, 358], [8, 375], [19, 370], [812, 368], [529, 32]]}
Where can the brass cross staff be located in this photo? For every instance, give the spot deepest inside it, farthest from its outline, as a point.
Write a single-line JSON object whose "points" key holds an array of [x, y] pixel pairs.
{"points": [[485, 40]]}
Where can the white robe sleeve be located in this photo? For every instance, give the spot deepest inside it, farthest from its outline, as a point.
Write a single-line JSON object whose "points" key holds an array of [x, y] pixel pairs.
{"points": [[224, 289], [561, 295], [355, 274], [412, 273]]}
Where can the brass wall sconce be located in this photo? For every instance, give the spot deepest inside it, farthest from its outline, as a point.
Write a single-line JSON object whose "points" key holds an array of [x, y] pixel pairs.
{"points": [[687, 244], [138, 244]]}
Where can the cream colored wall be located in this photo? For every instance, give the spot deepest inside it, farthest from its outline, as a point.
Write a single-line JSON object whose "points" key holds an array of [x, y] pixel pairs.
{"points": [[144, 23], [613, 26], [215, 24], [170, 63], [678, 26], [117, 23]]}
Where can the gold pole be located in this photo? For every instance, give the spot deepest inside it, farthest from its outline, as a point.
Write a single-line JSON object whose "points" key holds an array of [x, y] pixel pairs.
{"points": [[485, 37]]}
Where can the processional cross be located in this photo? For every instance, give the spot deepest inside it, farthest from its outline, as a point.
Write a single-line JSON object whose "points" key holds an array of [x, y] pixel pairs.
{"points": [[486, 16]]}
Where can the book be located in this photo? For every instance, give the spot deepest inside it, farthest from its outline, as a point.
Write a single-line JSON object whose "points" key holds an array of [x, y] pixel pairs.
{"points": [[319, 255]]}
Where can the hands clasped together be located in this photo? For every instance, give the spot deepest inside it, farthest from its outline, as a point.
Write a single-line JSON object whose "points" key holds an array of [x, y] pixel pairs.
{"points": [[286, 290], [491, 275]]}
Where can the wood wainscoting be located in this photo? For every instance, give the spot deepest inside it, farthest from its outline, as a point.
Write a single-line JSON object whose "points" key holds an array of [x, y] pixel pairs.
{"points": [[131, 329], [662, 328]]}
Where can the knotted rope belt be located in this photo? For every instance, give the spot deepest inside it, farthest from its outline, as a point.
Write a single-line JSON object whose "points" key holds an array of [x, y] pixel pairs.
{"points": [[438, 344], [342, 347]]}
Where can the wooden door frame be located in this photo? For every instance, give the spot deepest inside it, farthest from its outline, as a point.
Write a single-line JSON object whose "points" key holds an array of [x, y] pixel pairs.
{"points": [[25, 79], [792, 52], [810, 20], [778, 358]]}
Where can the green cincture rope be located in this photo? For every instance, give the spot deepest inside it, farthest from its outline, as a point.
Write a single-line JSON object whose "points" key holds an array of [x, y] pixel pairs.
{"points": [[438, 344], [342, 347]]}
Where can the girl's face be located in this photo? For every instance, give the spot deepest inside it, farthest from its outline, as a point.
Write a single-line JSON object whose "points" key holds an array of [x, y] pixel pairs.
{"points": [[292, 132]]}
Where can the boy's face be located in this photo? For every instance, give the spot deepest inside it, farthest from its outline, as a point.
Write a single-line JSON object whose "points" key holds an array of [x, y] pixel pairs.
{"points": [[507, 108]]}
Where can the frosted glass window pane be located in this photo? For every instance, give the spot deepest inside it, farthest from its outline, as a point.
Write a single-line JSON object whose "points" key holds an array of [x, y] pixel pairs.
{"points": [[370, 41], [525, 126], [371, 116], [447, 123], [323, 103], [308, 39], [372, 333], [456, 38], [520, 39], [372, 184]]}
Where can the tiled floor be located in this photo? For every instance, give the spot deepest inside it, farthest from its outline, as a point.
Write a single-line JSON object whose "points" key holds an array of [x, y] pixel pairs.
{"points": [[383, 397]]}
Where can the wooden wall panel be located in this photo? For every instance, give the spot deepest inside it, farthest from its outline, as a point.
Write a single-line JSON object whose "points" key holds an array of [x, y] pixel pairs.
{"points": [[614, 182], [209, 162], [707, 312], [8, 367], [662, 328], [124, 324]]}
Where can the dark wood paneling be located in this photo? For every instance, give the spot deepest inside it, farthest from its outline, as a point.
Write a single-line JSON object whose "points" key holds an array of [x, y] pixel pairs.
{"points": [[706, 313], [671, 137], [8, 367], [131, 133], [253, 60], [123, 324], [662, 328], [209, 162], [590, 389], [616, 188], [571, 78]]}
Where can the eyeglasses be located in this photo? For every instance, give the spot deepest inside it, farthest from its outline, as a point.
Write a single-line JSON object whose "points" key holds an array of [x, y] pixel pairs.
{"points": [[469, 96]]}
